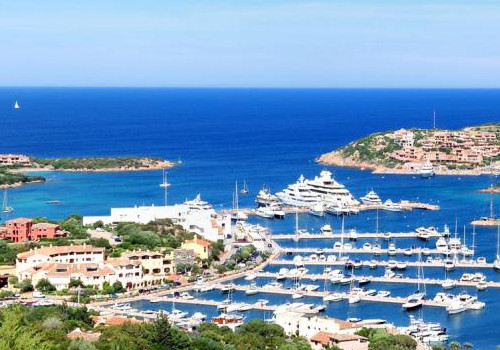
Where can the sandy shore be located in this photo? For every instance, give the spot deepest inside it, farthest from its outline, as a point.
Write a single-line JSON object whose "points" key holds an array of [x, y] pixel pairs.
{"points": [[335, 159], [19, 184], [489, 190]]}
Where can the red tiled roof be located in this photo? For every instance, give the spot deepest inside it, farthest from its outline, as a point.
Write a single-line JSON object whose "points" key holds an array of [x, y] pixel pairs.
{"points": [[60, 250], [19, 221]]}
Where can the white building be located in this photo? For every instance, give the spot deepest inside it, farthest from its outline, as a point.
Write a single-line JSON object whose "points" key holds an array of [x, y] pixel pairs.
{"points": [[204, 222], [61, 264], [72, 254], [307, 325]]}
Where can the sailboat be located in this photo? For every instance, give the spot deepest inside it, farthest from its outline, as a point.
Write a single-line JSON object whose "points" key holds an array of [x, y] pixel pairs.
{"points": [[238, 215], [16, 105], [415, 300], [496, 264], [5, 206], [164, 184], [245, 188]]}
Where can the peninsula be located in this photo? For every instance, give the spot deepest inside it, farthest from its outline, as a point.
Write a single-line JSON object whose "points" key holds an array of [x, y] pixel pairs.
{"points": [[472, 150], [13, 166]]}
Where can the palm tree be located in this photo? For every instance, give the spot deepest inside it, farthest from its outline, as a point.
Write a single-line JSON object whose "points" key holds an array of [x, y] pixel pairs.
{"points": [[455, 346], [468, 346]]}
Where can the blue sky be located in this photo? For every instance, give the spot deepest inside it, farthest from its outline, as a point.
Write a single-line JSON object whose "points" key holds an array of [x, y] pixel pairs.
{"points": [[250, 43]]}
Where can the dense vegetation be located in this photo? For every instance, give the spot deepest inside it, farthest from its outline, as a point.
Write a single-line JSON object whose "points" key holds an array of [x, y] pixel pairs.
{"points": [[381, 340], [45, 328], [9, 178], [97, 163]]}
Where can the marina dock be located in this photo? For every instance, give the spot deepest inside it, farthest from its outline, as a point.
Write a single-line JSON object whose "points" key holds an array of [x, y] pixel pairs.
{"points": [[379, 299], [346, 235], [384, 263], [405, 204], [382, 279], [400, 251]]}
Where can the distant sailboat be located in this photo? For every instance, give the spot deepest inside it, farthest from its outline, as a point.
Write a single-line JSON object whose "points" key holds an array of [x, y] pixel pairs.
{"points": [[5, 206], [165, 186], [245, 188], [16, 105]]}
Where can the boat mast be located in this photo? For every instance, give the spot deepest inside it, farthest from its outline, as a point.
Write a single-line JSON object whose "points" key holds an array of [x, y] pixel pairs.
{"points": [[342, 237], [498, 242], [473, 240]]}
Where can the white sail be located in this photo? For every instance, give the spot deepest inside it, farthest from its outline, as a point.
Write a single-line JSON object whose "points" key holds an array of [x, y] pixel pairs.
{"points": [[16, 105]]}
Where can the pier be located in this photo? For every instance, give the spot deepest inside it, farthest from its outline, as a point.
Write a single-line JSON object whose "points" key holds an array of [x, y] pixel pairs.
{"points": [[209, 302], [379, 299], [405, 204], [382, 279], [401, 251], [346, 235], [384, 263]]}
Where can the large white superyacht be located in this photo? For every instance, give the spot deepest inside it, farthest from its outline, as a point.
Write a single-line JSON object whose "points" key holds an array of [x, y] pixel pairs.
{"points": [[299, 194], [331, 192]]}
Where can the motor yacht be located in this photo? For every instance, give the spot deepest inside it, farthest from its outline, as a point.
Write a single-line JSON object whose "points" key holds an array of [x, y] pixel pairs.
{"points": [[252, 290], [352, 235], [483, 285], [441, 244], [331, 192], [373, 264], [449, 265], [367, 246], [448, 284], [392, 249], [392, 206], [371, 198], [226, 288], [414, 301], [326, 229], [455, 307], [401, 265], [198, 204], [333, 297], [298, 194], [265, 198], [317, 210], [481, 260], [383, 293], [265, 212], [408, 252], [354, 298], [426, 170]]}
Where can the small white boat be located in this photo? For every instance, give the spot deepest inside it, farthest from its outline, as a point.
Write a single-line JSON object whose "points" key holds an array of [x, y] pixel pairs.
{"points": [[449, 265], [389, 205], [297, 295], [383, 293], [16, 105], [354, 298], [408, 252], [392, 249], [250, 277], [252, 290], [448, 284], [264, 212], [333, 297], [483, 285], [455, 307], [326, 229], [317, 210]]}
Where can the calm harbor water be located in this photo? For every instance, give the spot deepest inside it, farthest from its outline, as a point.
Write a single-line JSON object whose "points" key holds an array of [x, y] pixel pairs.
{"points": [[265, 137]]}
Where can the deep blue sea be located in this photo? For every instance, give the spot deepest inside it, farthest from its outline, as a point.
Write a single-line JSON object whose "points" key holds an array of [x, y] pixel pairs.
{"points": [[261, 136]]}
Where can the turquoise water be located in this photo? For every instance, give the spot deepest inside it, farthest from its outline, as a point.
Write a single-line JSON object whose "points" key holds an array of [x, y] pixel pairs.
{"points": [[265, 137]]}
